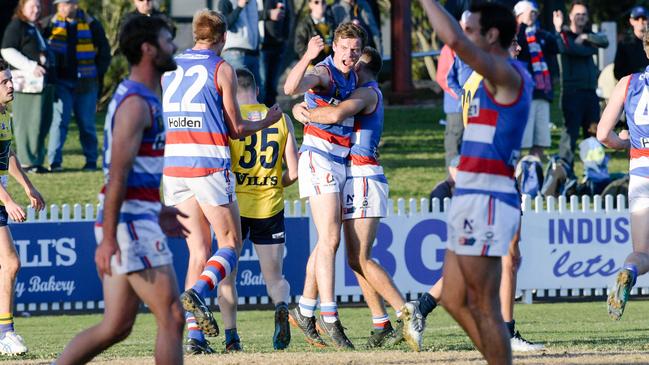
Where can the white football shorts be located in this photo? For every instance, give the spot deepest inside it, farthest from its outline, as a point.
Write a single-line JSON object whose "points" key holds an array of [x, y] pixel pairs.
{"points": [[214, 189], [481, 225], [142, 243], [638, 193], [365, 197], [319, 175]]}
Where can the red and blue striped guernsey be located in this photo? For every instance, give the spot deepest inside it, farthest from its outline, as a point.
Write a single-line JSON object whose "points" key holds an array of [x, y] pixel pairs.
{"points": [[143, 183], [636, 106], [365, 140], [492, 140], [197, 136], [330, 140]]}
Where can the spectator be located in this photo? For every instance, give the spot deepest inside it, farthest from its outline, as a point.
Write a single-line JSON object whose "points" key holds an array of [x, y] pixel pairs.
{"points": [[241, 48], [360, 13], [275, 17], [82, 56], [24, 48], [452, 72], [444, 189], [5, 16], [147, 7], [579, 100], [318, 22], [630, 56], [536, 46]]}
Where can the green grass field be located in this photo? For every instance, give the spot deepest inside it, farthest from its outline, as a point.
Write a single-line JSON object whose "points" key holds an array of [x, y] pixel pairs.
{"points": [[412, 157], [565, 328]]}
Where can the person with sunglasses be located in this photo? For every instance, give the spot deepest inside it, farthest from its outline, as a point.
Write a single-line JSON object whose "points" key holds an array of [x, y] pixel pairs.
{"points": [[147, 7], [630, 56], [320, 22]]}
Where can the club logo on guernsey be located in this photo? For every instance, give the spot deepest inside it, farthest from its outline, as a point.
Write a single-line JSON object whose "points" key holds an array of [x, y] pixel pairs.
{"points": [[185, 122], [474, 108], [254, 116]]}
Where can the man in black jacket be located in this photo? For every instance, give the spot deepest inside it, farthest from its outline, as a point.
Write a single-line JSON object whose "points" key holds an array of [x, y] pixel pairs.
{"points": [[275, 17], [579, 100], [147, 8], [320, 22], [630, 56]]}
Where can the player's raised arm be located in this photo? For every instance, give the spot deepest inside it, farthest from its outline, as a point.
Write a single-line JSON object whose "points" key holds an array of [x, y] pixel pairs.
{"points": [[610, 116], [359, 101], [491, 67], [290, 155], [297, 82], [237, 126]]}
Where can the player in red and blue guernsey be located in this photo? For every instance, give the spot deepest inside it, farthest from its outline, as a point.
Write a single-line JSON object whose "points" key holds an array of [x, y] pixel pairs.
{"points": [[132, 257], [631, 95], [201, 112], [321, 172], [365, 198], [485, 212]]}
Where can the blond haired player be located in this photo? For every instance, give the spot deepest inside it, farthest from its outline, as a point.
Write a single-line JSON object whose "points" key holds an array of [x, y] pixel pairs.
{"points": [[257, 166], [322, 172], [201, 113]]}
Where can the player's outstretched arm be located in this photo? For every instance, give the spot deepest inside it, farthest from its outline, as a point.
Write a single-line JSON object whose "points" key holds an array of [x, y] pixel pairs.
{"points": [[361, 100], [131, 118], [614, 107], [296, 81], [494, 69], [237, 126], [35, 199], [290, 155]]}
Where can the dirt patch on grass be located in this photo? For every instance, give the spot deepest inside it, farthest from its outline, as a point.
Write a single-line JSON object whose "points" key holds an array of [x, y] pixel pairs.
{"points": [[391, 357]]}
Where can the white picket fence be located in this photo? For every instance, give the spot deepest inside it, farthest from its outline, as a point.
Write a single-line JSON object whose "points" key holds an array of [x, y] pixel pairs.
{"points": [[403, 207]]}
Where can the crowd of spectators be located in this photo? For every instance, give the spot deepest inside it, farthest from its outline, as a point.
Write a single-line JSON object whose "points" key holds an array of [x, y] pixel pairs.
{"points": [[570, 43], [59, 61]]}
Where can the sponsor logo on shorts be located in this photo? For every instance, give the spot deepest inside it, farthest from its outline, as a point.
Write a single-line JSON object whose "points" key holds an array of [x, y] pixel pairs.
{"points": [[349, 210], [365, 203], [488, 239], [185, 122], [466, 241], [468, 226], [160, 246], [329, 178], [349, 200], [279, 235]]}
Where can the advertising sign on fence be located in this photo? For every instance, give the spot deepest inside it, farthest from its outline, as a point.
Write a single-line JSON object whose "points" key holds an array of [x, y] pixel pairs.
{"points": [[580, 248], [574, 250], [58, 262]]}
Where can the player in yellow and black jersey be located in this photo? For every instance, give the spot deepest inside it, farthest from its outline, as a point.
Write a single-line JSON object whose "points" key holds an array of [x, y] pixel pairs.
{"points": [[10, 342], [261, 178]]}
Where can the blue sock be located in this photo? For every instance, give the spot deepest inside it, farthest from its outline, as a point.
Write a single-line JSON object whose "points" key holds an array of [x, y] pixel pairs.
{"points": [[217, 268], [192, 329], [426, 304], [511, 327], [231, 334], [634, 272]]}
